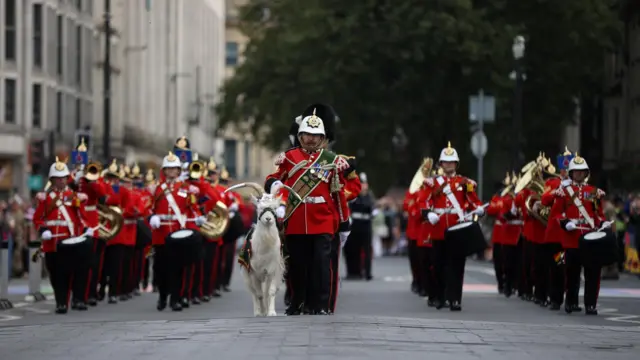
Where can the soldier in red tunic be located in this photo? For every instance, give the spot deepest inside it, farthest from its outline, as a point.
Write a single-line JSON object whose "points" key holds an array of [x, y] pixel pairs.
{"points": [[581, 207], [451, 196], [59, 217], [424, 245], [495, 209], [175, 204], [553, 256], [313, 214]]}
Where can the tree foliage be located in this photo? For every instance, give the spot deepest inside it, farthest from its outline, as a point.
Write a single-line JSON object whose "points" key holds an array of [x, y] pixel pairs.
{"points": [[388, 64]]}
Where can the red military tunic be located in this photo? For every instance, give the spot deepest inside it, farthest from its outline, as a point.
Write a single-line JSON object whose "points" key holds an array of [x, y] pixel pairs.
{"points": [[533, 230], [464, 191], [425, 227], [59, 212], [132, 208], [318, 214], [554, 233], [352, 186], [512, 225], [184, 197], [590, 198], [409, 207], [495, 209], [95, 191]]}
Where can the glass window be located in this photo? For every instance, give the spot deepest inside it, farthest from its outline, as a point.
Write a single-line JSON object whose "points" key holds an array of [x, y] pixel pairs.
{"points": [[10, 101], [60, 32], [36, 111], [59, 112], [78, 114], [230, 156], [37, 36], [247, 158], [10, 30], [232, 53], [78, 55]]}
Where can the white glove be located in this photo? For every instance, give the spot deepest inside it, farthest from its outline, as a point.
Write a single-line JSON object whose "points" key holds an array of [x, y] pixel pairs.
{"points": [[566, 182], [154, 222], [536, 206], [233, 207], [514, 209], [280, 211], [89, 232], [570, 226], [433, 218], [479, 211], [184, 176], [606, 225], [375, 212], [275, 187], [343, 237], [232, 214], [47, 235], [82, 196], [200, 220], [79, 175]]}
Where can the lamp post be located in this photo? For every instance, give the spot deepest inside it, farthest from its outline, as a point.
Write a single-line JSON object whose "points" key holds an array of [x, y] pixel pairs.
{"points": [[518, 49]]}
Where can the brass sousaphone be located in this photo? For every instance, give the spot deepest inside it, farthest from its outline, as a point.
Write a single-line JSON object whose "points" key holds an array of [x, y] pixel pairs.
{"points": [[423, 172], [218, 218], [532, 178]]}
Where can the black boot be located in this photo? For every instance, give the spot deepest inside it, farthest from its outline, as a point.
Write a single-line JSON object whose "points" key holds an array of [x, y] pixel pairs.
{"points": [[591, 310], [176, 307], [61, 309], [92, 302], [195, 301], [455, 306], [113, 300], [162, 304], [81, 306], [184, 302], [554, 306]]}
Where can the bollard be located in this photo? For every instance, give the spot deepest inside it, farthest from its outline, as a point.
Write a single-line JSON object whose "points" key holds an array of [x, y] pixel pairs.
{"points": [[4, 276], [35, 273]]}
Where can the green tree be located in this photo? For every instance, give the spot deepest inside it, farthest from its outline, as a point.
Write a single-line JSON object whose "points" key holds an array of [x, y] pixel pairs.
{"points": [[387, 64]]}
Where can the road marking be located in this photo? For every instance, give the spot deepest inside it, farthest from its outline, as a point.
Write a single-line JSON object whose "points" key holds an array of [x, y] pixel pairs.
{"points": [[6, 317]]}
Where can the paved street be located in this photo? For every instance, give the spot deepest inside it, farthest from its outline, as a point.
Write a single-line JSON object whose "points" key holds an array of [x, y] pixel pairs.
{"points": [[380, 319]]}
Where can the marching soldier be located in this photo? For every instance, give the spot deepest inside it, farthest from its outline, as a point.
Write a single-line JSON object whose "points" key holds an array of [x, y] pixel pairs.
{"points": [[582, 205], [66, 242], [213, 246], [313, 210], [175, 202], [495, 209], [412, 234], [423, 243], [554, 234], [451, 196], [359, 246], [234, 231], [146, 189]]}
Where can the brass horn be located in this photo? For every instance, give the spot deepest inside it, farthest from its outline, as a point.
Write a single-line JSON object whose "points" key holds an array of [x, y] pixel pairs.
{"points": [[217, 221], [92, 171], [423, 172], [531, 178], [110, 221], [196, 168]]}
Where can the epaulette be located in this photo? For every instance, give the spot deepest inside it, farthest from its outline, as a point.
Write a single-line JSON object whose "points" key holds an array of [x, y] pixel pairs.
{"points": [[280, 158]]}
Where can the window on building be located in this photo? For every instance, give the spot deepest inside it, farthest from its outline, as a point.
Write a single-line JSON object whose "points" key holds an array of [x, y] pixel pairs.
{"points": [[230, 156], [78, 114], [36, 111], [10, 101], [232, 53], [59, 99], [79, 55], [10, 30], [79, 4], [89, 7], [37, 36], [247, 158], [60, 42]]}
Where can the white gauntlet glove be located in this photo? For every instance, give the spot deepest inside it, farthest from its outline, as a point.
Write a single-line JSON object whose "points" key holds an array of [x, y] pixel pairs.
{"points": [[343, 237], [433, 218], [280, 211], [565, 182], [200, 220], [275, 187], [154, 222], [47, 235], [570, 226]]}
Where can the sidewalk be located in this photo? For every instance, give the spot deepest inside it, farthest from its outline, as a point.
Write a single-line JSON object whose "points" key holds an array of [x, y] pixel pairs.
{"points": [[19, 289]]}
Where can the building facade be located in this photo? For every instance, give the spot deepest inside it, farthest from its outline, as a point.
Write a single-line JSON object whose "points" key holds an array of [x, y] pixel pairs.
{"points": [[46, 83], [243, 157]]}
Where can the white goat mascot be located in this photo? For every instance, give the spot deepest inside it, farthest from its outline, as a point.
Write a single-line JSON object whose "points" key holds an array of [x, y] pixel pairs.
{"points": [[262, 258]]}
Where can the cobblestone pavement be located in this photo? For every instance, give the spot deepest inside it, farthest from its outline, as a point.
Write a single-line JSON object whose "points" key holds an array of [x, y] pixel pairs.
{"points": [[380, 319]]}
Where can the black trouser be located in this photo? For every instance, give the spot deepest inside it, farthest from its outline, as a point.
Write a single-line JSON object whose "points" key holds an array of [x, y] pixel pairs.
{"points": [[498, 265], [556, 273], [525, 280], [541, 272], [168, 264], [209, 267], [97, 265], [197, 267], [574, 265], [448, 265], [413, 263], [335, 272], [138, 266], [509, 259], [309, 270], [146, 268], [358, 251], [118, 267], [68, 271], [226, 264], [425, 278]]}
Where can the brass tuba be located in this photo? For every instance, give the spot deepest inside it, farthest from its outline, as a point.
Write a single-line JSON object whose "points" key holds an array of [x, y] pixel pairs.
{"points": [[110, 221], [196, 168], [532, 178], [92, 171], [423, 172], [217, 221]]}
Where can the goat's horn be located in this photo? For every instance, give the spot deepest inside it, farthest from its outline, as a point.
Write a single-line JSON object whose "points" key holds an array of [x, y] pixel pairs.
{"points": [[252, 185], [293, 192]]}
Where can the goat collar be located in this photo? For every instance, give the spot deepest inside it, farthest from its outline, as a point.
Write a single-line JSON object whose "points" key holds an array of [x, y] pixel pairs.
{"points": [[266, 210]]}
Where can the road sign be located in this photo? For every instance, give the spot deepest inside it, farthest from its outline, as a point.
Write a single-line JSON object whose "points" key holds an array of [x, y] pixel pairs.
{"points": [[482, 108], [479, 144]]}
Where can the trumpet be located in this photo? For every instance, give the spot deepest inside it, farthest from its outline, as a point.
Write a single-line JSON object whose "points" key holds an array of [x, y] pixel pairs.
{"points": [[92, 171]]}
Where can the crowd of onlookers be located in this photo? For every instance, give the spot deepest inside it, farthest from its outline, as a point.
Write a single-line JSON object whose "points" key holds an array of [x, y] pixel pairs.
{"points": [[16, 231]]}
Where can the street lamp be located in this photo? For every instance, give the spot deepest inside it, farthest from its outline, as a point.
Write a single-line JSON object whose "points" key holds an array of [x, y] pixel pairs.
{"points": [[518, 49]]}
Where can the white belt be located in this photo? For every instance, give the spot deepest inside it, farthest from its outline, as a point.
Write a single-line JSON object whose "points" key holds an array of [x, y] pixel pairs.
{"points": [[314, 200], [444, 211], [130, 221], [360, 216], [168, 217], [90, 208], [56, 223], [515, 222], [578, 221]]}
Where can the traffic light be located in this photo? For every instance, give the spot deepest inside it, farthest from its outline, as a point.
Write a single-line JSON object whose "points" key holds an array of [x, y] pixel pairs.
{"points": [[38, 157]]}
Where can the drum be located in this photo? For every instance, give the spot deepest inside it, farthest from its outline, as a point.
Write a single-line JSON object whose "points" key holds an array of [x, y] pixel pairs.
{"points": [[599, 247], [180, 237], [76, 251], [467, 237]]}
